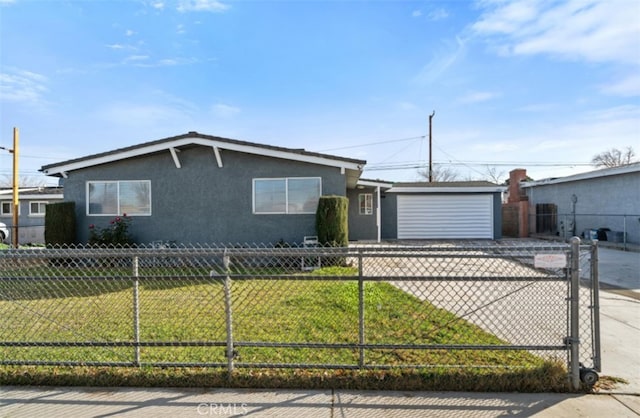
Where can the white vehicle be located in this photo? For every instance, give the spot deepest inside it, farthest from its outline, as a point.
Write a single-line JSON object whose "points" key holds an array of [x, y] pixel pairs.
{"points": [[4, 232]]}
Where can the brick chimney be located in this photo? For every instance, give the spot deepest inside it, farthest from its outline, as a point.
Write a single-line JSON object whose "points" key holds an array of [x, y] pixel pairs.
{"points": [[515, 177]]}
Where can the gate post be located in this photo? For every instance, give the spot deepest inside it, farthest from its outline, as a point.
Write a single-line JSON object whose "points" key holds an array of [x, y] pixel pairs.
{"points": [[136, 310], [361, 338], [595, 307], [574, 312]]}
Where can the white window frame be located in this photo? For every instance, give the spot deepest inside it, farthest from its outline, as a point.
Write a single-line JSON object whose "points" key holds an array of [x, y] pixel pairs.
{"points": [[286, 203], [10, 213], [40, 203], [368, 203], [118, 183]]}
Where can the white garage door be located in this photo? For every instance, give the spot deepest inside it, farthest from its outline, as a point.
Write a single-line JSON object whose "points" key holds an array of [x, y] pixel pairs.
{"points": [[445, 216]]}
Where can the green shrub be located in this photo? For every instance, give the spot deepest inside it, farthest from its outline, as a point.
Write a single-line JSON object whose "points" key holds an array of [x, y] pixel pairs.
{"points": [[60, 223], [332, 221]]}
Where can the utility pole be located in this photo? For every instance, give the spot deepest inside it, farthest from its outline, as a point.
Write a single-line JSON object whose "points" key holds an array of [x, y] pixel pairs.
{"points": [[430, 148], [15, 202]]}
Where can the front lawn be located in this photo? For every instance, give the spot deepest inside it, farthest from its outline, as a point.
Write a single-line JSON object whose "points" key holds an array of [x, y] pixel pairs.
{"points": [[264, 311]]}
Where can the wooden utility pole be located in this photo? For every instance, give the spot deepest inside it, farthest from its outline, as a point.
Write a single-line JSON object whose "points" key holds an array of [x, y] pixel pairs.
{"points": [[15, 202], [16, 181], [430, 148]]}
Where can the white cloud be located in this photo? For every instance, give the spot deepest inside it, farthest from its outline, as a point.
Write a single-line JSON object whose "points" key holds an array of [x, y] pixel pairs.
{"points": [[180, 29], [202, 6], [477, 97], [591, 30], [442, 61], [628, 86], [599, 31], [158, 5], [416, 13], [225, 111], [20, 86], [438, 14], [129, 32]]}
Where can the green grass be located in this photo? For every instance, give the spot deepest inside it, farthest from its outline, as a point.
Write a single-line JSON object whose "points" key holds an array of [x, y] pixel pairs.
{"points": [[268, 310]]}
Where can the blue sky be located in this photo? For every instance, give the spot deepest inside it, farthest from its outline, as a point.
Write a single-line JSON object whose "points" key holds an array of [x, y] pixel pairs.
{"points": [[541, 85]]}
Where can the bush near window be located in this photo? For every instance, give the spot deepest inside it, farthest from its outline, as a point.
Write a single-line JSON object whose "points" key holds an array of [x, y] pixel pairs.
{"points": [[116, 234], [331, 221]]}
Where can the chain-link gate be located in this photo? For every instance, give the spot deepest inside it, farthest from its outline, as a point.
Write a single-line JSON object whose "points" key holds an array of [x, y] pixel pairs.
{"points": [[376, 306]]}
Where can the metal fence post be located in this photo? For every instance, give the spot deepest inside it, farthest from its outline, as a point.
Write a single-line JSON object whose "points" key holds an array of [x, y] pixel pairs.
{"points": [[574, 312], [228, 314], [360, 310], [136, 311], [595, 307]]}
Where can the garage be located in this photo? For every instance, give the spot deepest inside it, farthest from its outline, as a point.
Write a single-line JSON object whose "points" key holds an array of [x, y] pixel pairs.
{"points": [[447, 211]]}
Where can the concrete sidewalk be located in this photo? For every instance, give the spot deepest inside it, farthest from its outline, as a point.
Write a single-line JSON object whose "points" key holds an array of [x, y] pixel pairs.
{"points": [[140, 402], [619, 273]]}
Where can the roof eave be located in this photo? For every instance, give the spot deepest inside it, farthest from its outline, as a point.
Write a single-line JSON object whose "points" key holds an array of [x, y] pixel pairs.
{"points": [[61, 169]]}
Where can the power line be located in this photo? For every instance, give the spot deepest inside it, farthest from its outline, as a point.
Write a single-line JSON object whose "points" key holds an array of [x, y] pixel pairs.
{"points": [[419, 164], [374, 143]]}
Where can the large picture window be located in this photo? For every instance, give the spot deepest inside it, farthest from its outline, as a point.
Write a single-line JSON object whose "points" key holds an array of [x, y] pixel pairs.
{"points": [[112, 198], [293, 195]]}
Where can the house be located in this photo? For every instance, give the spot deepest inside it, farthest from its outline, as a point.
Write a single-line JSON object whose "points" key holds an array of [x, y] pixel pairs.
{"points": [[603, 202], [31, 210], [201, 189], [196, 188]]}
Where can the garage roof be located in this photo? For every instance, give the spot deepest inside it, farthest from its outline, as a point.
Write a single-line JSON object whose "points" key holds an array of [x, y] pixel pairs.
{"points": [[447, 187]]}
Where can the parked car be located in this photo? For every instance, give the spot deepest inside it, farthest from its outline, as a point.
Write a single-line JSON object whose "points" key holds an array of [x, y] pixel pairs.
{"points": [[4, 232]]}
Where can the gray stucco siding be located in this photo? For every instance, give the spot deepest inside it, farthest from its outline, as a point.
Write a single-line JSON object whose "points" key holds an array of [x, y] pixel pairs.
{"points": [[362, 227], [389, 204], [601, 203], [201, 202]]}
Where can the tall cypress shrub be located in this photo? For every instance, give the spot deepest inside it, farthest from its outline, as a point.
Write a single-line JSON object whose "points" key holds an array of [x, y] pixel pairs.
{"points": [[332, 221], [60, 223]]}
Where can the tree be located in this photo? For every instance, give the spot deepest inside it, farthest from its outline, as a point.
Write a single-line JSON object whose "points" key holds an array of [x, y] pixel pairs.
{"points": [[440, 173], [614, 157], [493, 175], [6, 181]]}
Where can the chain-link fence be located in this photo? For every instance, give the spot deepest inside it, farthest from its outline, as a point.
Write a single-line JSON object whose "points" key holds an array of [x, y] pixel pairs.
{"points": [[247, 306]]}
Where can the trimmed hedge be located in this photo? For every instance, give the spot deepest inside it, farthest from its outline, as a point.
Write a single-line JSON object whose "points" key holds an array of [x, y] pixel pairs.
{"points": [[332, 223], [60, 223]]}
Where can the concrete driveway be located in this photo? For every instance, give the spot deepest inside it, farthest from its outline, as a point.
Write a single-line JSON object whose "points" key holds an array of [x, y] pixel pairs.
{"points": [[534, 313]]}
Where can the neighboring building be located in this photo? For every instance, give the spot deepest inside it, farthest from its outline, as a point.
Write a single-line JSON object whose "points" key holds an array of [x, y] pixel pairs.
{"points": [[31, 210], [196, 188], [603, 204]]}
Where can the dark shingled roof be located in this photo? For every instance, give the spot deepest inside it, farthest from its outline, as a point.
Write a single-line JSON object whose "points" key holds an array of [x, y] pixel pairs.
{"points": [[208, 137]]}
